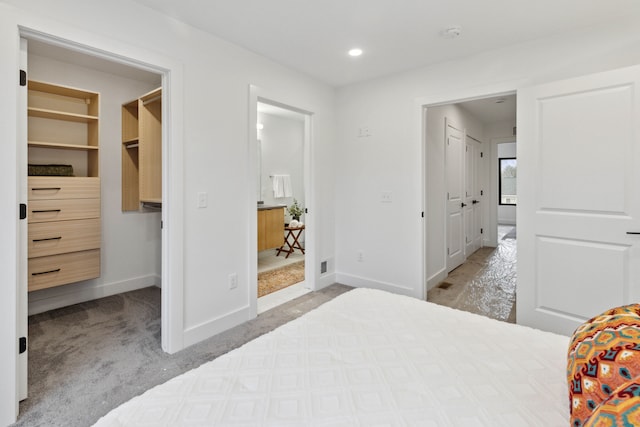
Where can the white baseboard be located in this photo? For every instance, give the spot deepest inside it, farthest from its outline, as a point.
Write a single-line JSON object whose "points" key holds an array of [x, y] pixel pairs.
{"points": [[434, 280], [50, 299], [325, 280], [363, 282], [492, 243], [207, 329], [195, 334]]}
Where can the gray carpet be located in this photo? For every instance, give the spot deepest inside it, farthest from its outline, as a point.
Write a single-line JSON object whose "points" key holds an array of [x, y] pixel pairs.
{"points": [[87, 359]]}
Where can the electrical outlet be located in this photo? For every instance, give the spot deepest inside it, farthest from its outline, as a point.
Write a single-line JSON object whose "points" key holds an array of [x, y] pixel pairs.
{"points": [[386, 197], [364, 132], [202, 199], [233, 281], [360, 256]]}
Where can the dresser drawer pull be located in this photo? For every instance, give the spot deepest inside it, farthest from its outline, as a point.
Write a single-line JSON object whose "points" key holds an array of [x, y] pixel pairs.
{"points": [[46, 188], [47, 210], [48, 238], [45, 272]]}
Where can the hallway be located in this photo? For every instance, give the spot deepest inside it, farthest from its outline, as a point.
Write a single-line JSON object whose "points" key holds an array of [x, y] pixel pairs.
{"points": [[486, 283]]}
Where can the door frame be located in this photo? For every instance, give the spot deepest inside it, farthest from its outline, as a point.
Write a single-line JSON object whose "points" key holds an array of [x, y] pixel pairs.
{"points": [[431, 278], [172, 181], [260, 95]]}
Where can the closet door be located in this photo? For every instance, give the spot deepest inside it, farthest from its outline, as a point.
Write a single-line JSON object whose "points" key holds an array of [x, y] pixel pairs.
{"points": [[578, 198], [454, 163]]}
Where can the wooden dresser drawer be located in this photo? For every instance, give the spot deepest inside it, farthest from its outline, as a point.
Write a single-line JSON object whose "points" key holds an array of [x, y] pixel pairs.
{"points": [[63, 210], [57, 187], [56, 270], [50, 238]]}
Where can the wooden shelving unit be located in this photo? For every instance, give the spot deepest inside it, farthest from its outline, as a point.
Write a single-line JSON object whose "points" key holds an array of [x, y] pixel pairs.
{"points": [[64, 231], [142, 151]]}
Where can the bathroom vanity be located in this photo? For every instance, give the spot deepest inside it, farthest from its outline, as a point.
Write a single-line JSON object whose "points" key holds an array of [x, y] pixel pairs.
{"points": [[270, 226]]}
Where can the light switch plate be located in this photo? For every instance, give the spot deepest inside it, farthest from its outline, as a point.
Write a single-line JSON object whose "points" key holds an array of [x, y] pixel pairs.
{"points": [[202, 199]]}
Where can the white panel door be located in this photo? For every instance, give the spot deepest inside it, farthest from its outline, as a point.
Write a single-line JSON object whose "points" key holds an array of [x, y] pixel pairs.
{"points": [[578, 198], [471, 211], [454, 160]]}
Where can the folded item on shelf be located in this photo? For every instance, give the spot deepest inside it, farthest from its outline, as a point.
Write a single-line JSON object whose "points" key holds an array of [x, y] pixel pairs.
{"points": [[50, 170]]}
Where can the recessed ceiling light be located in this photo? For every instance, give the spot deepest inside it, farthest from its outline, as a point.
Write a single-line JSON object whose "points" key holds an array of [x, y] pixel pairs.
{"points": [[355, 52]]}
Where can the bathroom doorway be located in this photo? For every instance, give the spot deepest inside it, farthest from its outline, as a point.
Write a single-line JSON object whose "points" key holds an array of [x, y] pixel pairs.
{"points": [[281, 205]]}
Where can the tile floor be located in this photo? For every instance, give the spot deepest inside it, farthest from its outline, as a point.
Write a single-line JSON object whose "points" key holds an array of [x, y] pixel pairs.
{"points": [[267, 260], [486, 283], [282, 296]]}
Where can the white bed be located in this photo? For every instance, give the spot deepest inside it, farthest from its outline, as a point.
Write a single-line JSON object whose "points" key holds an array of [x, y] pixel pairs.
{"points": [[370, 358]]}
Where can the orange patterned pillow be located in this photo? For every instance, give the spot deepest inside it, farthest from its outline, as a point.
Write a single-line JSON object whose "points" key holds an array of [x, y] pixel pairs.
{"points": [[604, 353], [621, 409]]}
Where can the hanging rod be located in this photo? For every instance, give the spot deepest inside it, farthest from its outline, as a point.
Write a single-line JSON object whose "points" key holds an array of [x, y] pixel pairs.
{"points": [[150, 100]]}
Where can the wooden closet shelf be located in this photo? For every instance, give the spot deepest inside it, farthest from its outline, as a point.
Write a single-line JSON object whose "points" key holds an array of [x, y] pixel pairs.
{"points": [[42, 144], [61, 115], [67, 91]]}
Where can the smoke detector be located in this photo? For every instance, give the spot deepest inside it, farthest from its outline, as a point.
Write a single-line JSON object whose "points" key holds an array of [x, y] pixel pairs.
{"points": [[451, 32]]}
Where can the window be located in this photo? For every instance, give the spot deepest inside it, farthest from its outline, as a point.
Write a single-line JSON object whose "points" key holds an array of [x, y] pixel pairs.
{"points": [[507, 182]]}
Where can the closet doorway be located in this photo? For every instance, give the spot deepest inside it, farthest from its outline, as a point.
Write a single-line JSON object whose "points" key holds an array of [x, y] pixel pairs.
{"points": [[128, 247]]}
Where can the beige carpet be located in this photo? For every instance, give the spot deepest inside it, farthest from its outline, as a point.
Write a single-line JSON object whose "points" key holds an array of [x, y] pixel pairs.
{"points": [[279, 278]]}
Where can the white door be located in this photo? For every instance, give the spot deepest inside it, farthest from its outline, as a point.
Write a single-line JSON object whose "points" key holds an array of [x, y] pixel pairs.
{"points": [[454, 158], [471, 211], [22, 300], [578, 197]]}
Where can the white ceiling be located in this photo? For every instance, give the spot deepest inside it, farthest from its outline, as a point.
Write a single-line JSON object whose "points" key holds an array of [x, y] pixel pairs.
{"points": [[492, 110], [396, 35], [36, 47]]}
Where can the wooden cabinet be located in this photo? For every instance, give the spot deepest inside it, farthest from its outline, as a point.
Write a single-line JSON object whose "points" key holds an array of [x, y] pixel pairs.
{"points": [[64, 226], [142, 151], [270, 228], [64, 236]]}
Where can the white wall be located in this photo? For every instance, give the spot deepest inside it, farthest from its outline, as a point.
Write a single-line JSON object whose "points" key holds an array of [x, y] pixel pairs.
{"points": [[209, 109], [506, 214], [130, 241], [390, 235], [436, 246], [282, 144]]}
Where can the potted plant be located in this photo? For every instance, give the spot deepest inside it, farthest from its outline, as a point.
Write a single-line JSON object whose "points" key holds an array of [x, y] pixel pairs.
{"points": [[295, 210]]}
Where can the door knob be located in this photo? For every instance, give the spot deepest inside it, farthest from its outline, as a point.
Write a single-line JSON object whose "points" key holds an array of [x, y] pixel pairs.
{"points": [[462, 205], [475, 201]]}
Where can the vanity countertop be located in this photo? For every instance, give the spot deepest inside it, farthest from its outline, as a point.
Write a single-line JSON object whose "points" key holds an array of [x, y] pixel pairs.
{"points": [[268, 207]]}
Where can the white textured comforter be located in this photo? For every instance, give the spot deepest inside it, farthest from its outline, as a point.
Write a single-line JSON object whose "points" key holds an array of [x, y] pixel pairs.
{"points": [[370, 358]]}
